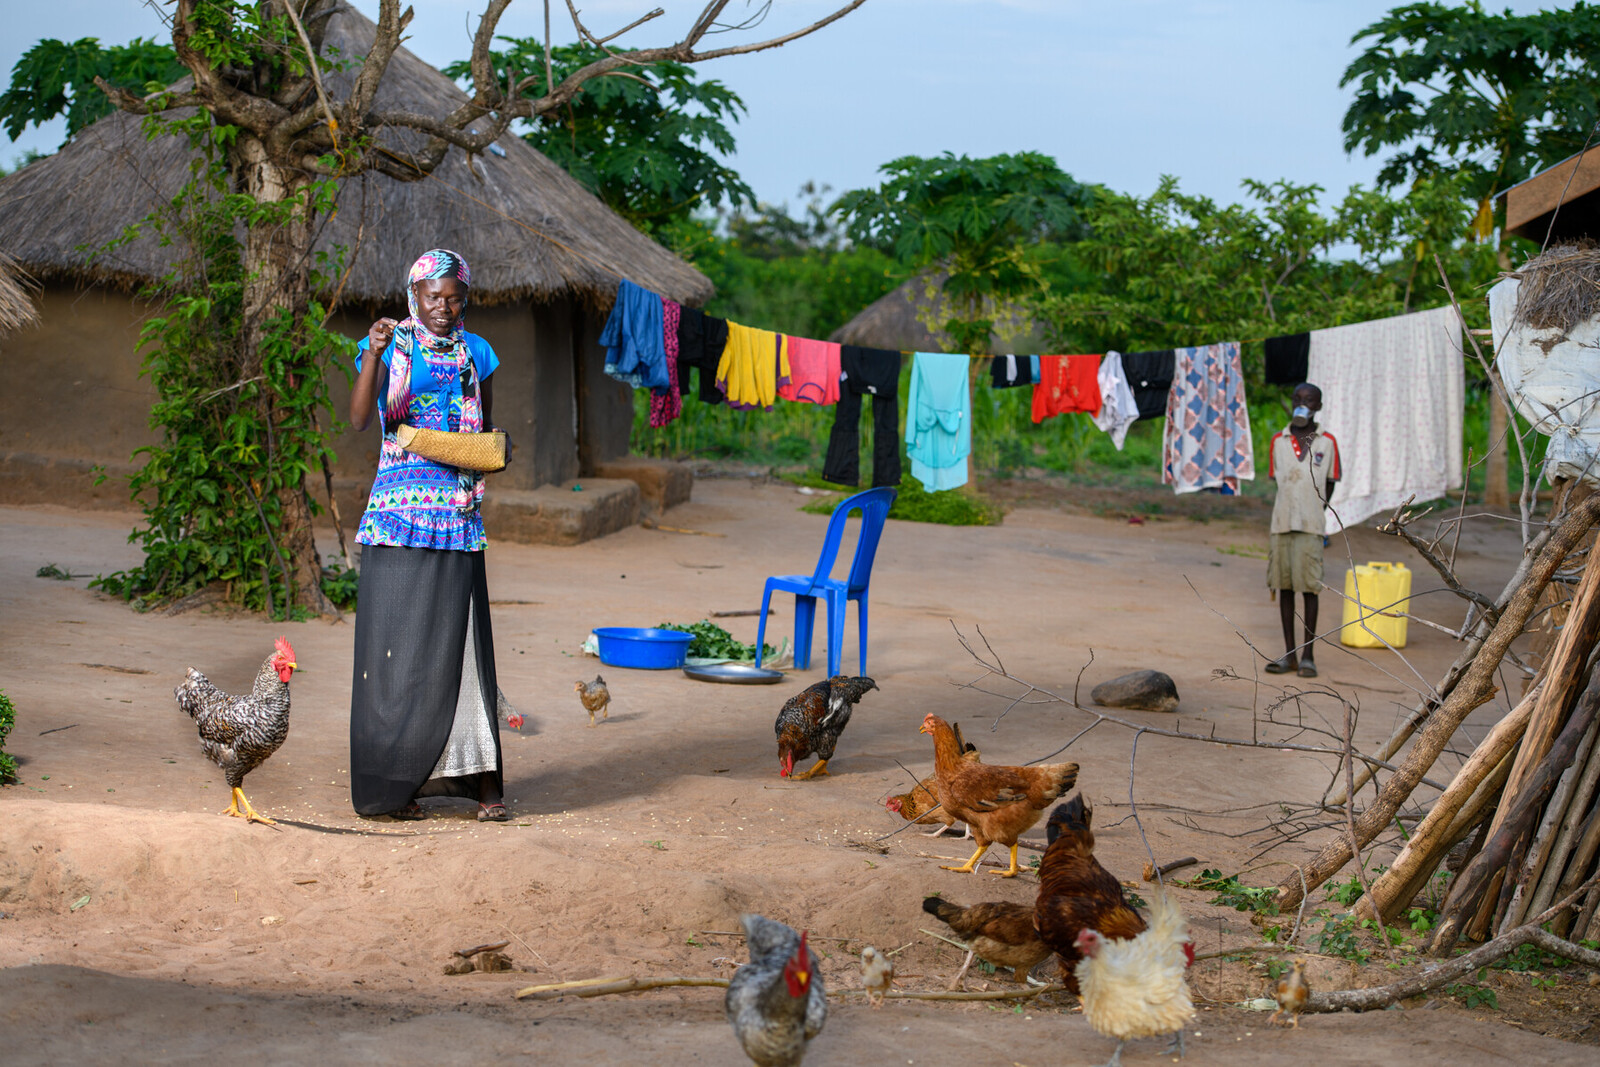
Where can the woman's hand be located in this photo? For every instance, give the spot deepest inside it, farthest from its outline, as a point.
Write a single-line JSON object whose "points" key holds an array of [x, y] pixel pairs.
{"points": [[381, 333], [511, 448]]}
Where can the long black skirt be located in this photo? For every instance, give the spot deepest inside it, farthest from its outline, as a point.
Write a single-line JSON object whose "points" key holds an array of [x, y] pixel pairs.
{"points": [[422, 697]]}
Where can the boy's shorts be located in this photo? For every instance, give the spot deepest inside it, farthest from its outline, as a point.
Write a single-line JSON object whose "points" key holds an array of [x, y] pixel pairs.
{"points": [[1294, 562]]}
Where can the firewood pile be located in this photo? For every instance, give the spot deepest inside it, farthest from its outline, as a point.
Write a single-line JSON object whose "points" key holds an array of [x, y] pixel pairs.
{"points": [[1520, 821]]}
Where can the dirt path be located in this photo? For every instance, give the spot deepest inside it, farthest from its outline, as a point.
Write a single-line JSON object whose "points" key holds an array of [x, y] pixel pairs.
{"points": [[192, 932]]}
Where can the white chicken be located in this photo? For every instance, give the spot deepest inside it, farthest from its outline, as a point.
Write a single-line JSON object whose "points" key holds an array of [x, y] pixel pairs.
{"points": [[1136, 988]]}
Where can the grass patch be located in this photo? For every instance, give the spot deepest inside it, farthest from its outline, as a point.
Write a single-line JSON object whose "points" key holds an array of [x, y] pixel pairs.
{"points": [[952, 507], [1247, 551], [8, 719]]}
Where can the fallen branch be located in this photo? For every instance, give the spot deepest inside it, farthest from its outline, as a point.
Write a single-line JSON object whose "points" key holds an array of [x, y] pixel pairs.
{"points": [[1528, 933], [1151, 871], [605, 987]]}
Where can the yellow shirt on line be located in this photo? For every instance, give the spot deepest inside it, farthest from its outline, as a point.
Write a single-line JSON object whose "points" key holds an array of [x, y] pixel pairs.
{"points": [[753, 363]]}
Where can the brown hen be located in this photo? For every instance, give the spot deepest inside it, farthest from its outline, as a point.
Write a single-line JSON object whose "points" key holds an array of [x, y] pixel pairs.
{"points": [[997, 932], [594, 696], [1075, 892], [921, 806], [998, 803]]}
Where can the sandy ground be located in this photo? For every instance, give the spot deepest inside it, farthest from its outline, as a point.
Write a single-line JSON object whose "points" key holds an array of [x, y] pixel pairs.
{"points": [[140, 927]]}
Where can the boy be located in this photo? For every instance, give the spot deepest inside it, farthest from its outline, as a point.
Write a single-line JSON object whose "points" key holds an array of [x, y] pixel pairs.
{"points": [[1305, 464]]}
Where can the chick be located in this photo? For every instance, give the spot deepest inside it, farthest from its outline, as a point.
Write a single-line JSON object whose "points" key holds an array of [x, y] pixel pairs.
{"points": [[877, 975], [1291, 993], [595, 697]]}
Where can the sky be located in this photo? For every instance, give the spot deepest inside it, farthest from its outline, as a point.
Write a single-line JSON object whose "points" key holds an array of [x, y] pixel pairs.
{"points": [[1119, 93]]}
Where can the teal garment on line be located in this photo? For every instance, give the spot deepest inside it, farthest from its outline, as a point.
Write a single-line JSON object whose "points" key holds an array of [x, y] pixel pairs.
{"points": [[939, 420]]}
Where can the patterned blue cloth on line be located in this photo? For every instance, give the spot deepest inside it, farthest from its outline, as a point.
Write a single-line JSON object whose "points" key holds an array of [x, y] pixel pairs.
{"points": [[636, 350], [939, 420], [1207, 443]]}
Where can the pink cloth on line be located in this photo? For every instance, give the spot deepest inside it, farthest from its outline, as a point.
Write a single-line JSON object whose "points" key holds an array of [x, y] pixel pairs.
{"points": [[667, 404], [813, 372]]}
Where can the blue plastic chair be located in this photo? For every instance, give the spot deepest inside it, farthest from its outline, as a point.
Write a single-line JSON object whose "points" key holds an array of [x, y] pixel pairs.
{"points": [[874, 506]]}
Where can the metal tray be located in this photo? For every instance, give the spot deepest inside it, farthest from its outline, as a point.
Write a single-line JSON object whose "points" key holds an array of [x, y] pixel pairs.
{"points": [[735, 674]]}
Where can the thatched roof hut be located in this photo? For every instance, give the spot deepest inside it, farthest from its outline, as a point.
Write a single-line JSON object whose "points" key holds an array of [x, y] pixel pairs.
{"points": [[528, 228], [899, 318], [16, 306], [546, 257]]}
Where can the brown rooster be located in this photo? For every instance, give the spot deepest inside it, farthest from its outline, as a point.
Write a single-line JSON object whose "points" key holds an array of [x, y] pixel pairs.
{"points": [[812, 720], [921, 806], [998, 803], [239, 733], [997, 932], [1075, 892], [594, 696]]}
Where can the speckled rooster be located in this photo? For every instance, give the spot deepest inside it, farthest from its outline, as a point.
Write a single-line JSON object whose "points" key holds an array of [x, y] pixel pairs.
{"points": [[812, 720], [239, 733]]}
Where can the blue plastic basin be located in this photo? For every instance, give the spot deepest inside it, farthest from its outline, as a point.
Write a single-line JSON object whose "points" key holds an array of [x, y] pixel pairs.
{"points": [[643, 648]]}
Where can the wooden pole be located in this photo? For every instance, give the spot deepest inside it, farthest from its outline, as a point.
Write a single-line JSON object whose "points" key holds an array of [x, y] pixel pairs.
{"points": [[1549, 855], [1563, 676], [1476, 886]]}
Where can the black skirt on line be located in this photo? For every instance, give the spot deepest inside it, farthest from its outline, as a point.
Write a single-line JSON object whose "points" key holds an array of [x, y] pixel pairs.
{"points": [[413, 613]]}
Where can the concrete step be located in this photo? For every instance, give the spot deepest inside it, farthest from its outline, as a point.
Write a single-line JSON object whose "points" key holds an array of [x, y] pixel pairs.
{"points": [[565, 514]]}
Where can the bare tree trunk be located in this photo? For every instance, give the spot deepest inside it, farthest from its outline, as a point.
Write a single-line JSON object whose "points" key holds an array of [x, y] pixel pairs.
{"points": [[277, 262], [1475, 687]]}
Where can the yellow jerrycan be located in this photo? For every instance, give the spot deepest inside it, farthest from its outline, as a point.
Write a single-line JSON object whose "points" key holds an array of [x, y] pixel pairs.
{"points": [[1384, 591]]}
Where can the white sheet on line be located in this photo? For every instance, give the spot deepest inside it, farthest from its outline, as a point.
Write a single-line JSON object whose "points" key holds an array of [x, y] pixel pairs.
{"points": [[1393, 392]]}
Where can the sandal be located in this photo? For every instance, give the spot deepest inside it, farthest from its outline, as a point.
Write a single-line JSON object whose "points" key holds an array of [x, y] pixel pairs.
{"points": [[412, 812], [495, 812], [1283, 665], [1307, 669]]}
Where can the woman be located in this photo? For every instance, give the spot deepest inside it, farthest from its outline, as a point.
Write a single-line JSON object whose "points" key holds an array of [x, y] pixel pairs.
{"points": [[422, 702]]}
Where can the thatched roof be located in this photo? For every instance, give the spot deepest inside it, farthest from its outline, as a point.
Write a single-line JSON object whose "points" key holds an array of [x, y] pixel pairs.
{"points": [[895, 320], [110, 176], [16, 306]]}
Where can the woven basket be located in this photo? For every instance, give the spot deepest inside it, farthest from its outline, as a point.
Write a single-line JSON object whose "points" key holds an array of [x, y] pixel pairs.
{"points": [[469, 451]]}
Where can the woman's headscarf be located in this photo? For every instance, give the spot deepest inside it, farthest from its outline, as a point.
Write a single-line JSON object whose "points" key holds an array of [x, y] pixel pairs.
{"points": [[446, 358]]}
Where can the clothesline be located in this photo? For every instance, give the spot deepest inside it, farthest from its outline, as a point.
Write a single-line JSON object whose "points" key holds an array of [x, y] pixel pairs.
{"points": [[1393, 459]]}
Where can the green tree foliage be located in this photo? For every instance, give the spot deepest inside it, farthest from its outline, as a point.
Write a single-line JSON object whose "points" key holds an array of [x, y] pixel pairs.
{"points": [[238, 431], [1174, 269], [795, 274], [641, 138], [1456, 89], [57, 78], [980, 220]]}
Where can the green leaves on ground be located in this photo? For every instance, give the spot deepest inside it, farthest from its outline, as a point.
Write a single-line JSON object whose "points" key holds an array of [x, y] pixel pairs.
{"points": [[713, 642], [1232, 893], [8, 719]]}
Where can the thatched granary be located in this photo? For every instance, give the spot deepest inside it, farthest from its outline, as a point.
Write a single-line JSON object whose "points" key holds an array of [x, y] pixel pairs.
{"points": [[546, 256], [16, 306], [899, 318]]}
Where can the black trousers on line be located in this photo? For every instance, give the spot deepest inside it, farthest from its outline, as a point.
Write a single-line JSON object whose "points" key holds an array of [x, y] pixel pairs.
{"points": [[843, 465]]}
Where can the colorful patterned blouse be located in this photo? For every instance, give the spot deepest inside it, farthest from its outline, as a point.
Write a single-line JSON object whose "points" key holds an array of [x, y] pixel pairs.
{"points": [[410, 504]]}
